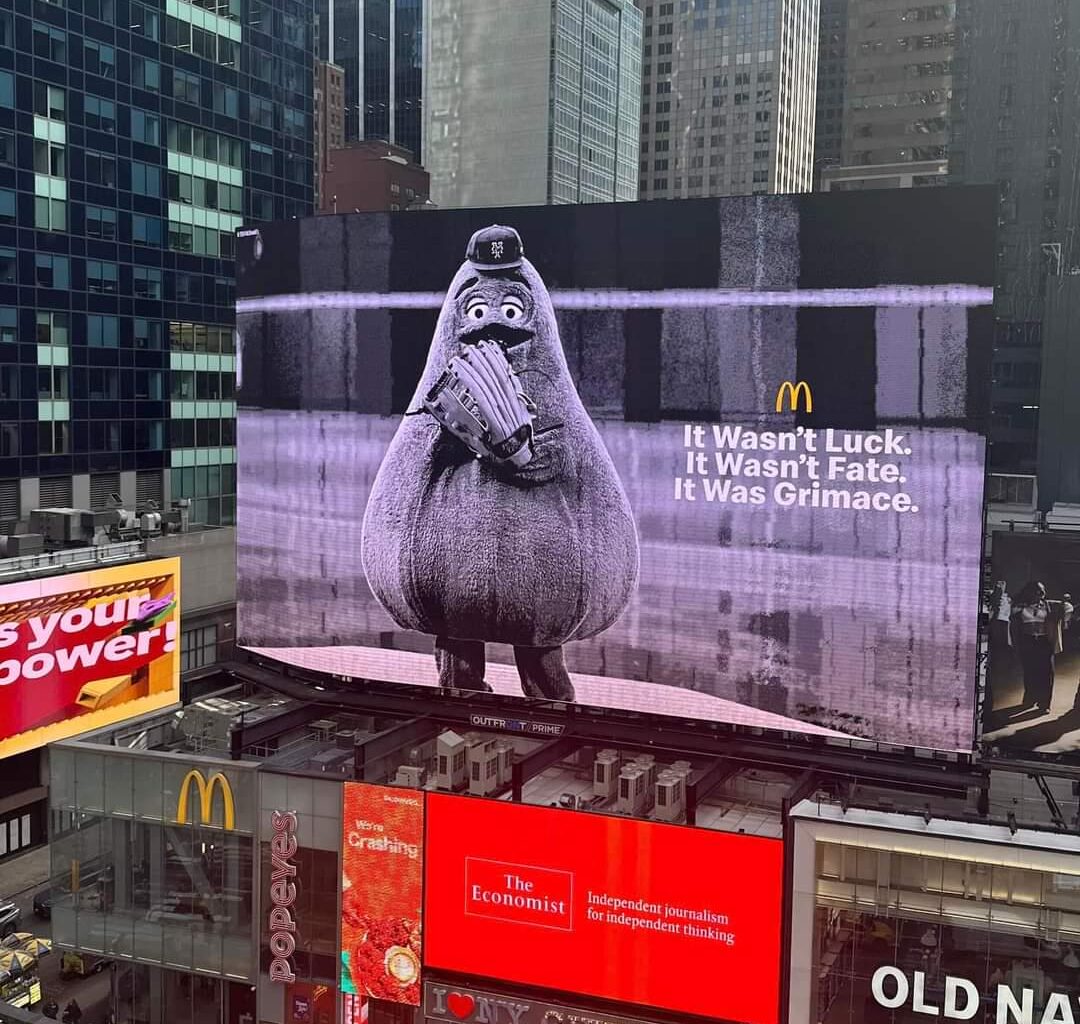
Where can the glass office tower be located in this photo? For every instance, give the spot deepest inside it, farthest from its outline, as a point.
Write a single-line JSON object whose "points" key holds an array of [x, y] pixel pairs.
{"points": [[379, 44], [136, 136]]}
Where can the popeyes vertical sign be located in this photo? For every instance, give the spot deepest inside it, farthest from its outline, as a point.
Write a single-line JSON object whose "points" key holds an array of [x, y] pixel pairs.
{"points": [[283, 846]]}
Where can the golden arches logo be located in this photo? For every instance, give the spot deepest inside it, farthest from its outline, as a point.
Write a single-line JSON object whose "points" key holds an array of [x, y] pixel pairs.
{"points": [[206, 799], [793, 392]]}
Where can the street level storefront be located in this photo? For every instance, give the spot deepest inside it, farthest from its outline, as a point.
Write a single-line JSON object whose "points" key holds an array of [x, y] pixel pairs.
{"points": [[898, 920]]}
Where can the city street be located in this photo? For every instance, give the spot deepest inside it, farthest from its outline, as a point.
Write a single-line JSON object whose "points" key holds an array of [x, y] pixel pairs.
{"points": [[91, 993]]}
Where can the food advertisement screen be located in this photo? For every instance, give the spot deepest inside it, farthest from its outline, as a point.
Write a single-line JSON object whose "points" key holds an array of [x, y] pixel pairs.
{"points": [[676, 918], [382, 883], [716, 459], [86, 650]]}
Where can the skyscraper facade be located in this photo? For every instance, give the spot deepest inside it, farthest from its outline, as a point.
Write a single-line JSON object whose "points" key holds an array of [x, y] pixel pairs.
{"points": [[1016, 122], [136, 136], [542, 107], [329, 120], [885, 78], [728, 97], [379, 45]]}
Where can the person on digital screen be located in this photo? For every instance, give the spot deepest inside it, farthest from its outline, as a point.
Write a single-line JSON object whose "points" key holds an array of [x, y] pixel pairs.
{"points": [[1037, 625], [497, 515]]}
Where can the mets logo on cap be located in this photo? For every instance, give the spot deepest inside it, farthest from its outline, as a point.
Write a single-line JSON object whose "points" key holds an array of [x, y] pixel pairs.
{"points": [[495, 248]]}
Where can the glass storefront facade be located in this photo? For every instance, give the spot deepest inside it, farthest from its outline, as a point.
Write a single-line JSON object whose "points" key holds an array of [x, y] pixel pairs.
{"points": [[154, 870], [895, 928]]}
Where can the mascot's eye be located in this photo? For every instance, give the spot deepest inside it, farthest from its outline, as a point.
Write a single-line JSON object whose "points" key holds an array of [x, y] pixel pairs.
{"points": [[476, 309], [513, 308]]}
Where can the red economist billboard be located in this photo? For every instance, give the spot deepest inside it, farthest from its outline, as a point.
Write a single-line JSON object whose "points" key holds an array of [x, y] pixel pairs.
{"points": [[664, 916]]}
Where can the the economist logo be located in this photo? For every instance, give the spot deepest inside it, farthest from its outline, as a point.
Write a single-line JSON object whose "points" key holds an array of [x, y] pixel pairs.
{"points": [[681, 919], [87, 649], [521, 893]]}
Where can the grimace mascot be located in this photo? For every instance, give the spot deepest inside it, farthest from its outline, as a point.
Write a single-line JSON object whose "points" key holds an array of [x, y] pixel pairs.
{"points": [[497, 515]]}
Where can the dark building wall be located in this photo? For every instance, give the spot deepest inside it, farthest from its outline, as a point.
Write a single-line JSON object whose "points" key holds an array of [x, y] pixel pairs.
{"points": [[1015, 122]]}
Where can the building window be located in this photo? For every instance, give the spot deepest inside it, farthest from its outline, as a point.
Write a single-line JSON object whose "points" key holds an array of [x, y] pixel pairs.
{"points": [[101, 222], [7, 206], [226, 100], [49, 101], [146, 230], [198, 648], [103, 385], [100, 59], [99, 113], [8, 266], [53, 438], [52, 328], [52, 382], [148, 333], [9, 333], [144, 21], [185, 87], [50, 43], [49, 158], [100, 169], [50, 214], [101, 276], [145, 127], [146, 282], [103, 10], [145, 74], [261, 112], [102, 331], [261, 159], [145, 179], [51, 271], [7, 89], [7, 148]]}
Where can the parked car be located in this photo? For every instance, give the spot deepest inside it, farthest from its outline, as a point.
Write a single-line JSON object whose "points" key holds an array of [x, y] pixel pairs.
{"points": [[9, 918], [44, 900]]}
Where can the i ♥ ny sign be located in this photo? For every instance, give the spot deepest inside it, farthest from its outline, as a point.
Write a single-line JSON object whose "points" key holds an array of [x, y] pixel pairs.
{"points": [[472, 1006]]}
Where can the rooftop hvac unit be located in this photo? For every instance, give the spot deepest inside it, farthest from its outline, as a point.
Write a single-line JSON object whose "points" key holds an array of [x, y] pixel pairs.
{"points": [[412, 775], [450, 772], [633, 797], [670, 796], [506, 762], [482, 762], [647, 762], [606, 774]]}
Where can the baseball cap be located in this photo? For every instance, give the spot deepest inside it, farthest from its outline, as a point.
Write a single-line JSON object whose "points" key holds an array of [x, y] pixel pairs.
{"points": [[495, 248]]}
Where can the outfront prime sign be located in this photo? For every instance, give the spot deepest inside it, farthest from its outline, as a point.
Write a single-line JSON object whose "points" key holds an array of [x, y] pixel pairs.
{"points": [[956, 998]]}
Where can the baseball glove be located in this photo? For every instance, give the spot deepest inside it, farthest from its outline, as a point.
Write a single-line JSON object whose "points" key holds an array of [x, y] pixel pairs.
{"points": [[479, 400]]}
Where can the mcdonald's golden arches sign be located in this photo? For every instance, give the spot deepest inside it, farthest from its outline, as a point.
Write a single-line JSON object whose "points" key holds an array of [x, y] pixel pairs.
{"points": [[206, 789]]}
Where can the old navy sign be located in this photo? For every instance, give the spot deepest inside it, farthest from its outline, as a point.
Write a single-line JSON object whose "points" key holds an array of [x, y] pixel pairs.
{"points": [[472, 1006], [283, 847], [960, 999]]}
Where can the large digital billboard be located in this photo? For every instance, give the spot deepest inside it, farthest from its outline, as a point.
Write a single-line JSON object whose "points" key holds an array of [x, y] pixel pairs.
{"points": [[382, 891], [87, 649], [676, 918], [1032, 607], [717, 459]]}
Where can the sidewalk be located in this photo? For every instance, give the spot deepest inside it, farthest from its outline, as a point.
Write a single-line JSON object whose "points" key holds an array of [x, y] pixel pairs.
{"points": [[28, 871]]}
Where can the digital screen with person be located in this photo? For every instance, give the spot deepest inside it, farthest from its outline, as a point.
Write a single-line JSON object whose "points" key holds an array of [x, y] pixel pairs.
{"points": [[1033, 695]]}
